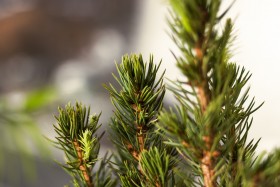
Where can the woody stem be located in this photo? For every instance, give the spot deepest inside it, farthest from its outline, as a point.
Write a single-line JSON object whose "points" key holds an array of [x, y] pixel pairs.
{"points": [[82, 166], [207, 165]]}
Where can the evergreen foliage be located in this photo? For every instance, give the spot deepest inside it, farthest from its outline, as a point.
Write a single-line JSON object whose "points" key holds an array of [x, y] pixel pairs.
{"points": [[133, 126], [76, 136], [202, 141]]}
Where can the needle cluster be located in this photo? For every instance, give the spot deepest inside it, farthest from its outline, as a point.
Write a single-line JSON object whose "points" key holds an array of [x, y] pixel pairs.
{"points": [[143, 159], [76, 136]]}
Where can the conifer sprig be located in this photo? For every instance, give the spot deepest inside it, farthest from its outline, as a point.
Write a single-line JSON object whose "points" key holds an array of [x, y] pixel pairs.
{"points": [[133, 126], [76, 136], [211, 123]]}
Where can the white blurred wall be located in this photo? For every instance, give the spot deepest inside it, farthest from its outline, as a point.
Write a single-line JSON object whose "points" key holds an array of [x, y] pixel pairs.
{"points": [[257, 25]]}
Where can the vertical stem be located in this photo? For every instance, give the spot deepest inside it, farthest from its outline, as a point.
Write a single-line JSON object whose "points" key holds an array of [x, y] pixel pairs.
{"points": [[207, 165], [158, 185], [140, 130], [82, 166], [140, 138]]}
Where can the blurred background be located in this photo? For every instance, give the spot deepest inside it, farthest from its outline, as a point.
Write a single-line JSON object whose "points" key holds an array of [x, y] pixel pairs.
{"points": [[56, 51]]}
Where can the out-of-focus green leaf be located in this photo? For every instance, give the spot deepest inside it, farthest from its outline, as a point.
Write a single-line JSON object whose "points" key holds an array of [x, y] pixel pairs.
{"points": [[20, 137], [39, 98]]}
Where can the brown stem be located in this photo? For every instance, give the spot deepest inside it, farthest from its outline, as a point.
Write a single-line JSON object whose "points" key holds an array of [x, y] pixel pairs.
{"points": [[141, 138], [134, 152], [256, 180], [140, 133], [206, 169], [198, 51], [207, 165], [203, 98], [158, 185], [82, 166]]}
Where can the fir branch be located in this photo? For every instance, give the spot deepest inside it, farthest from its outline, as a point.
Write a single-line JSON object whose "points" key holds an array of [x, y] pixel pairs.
{"points": [[197, 21], [211, 124], [137, 105], [76, 136]]}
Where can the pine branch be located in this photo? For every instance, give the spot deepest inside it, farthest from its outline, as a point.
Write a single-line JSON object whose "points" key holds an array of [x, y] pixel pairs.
{"points": [[133, 126], [76, 136], [211, 124], [195, 20]]}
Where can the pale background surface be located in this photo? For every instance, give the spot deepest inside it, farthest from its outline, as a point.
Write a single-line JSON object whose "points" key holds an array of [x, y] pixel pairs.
{"points": [[257, 25]]}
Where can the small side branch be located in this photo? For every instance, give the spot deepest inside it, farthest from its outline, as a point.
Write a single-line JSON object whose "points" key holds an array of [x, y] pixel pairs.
{"points": [[82, 166], [141, 138]]}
